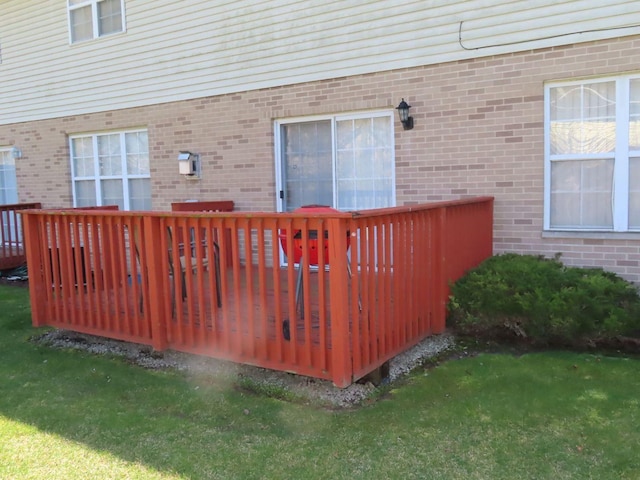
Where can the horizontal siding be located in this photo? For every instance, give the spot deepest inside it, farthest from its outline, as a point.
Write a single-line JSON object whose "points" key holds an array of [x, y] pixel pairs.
{"points": [[206, 48]]}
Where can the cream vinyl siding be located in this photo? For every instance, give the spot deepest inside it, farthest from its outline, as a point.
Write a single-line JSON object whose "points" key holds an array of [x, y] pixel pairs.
{"points": [[189, 49]]}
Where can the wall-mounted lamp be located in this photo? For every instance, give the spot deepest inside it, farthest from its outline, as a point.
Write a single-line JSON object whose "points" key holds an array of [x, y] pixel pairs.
{"points": [[16, 153], [189, 164], [403, 112]]}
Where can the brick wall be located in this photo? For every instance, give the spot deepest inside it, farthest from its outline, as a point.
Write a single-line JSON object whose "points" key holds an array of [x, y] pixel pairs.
{"points": [[478, 131]]}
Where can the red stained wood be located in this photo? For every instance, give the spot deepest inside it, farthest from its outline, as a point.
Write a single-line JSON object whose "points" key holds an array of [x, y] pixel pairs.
{"points": [[170, 280]]}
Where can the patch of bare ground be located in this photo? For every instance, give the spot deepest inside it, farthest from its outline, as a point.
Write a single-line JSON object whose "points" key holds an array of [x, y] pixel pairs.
{"points": [[288, 385]]}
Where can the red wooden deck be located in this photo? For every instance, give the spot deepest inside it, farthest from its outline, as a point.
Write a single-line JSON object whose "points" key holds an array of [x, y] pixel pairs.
{"points": [[252, 321], [132, 278]]}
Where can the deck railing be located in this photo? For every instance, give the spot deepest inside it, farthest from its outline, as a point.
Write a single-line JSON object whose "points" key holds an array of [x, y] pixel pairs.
{"points": [[11, 245], [377, 283]]}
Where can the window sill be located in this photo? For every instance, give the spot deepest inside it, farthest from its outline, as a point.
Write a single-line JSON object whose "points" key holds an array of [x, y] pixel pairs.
{"points": [[592, 235], [95, 39]]}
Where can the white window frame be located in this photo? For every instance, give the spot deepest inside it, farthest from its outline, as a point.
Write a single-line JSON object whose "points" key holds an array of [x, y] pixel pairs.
{"points": [[621, 155], [95, 20], [96, 177], [7, 151], [9, 222], [280, 202]]}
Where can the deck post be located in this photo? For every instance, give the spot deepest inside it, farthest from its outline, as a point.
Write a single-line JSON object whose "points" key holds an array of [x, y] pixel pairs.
{"points": [[151, 232], [342, 364], [32, 242]]}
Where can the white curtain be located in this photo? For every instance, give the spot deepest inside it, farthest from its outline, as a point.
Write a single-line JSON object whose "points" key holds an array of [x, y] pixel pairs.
{"points": [[583, 126]]}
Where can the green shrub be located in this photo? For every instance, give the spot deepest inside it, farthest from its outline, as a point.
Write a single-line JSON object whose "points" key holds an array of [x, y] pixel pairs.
{"points": [[543, 301]]}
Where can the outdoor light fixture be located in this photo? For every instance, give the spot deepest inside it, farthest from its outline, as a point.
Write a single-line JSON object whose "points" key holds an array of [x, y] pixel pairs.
{"points": [[189, 164], [16, 153], [403, 112]]}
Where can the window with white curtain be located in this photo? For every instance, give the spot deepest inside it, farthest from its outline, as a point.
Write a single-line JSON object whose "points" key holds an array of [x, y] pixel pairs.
{"points": [[111, 169], [9, 231], [345, 161], [592, 155], [89, 19], [8, 180]]}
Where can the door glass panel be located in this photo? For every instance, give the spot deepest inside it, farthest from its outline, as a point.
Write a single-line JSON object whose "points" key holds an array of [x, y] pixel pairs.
{"points": [[307, 164], [364, 163]]}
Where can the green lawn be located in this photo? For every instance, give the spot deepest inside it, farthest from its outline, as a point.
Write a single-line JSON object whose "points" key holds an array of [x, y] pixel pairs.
{"points": [[68, 415]]}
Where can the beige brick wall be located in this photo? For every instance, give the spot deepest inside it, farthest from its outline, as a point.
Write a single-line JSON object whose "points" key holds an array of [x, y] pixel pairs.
{"points": [[478, 131]]}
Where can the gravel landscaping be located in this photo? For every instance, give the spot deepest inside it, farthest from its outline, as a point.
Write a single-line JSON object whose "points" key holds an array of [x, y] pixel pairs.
{"points": [[311, 389]]}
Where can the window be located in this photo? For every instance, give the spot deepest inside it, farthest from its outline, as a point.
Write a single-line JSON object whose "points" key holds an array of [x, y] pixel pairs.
{"points": [[592, 155], [90, 19], [8, 181], [111, 169], [343, 161], [8, 195]]}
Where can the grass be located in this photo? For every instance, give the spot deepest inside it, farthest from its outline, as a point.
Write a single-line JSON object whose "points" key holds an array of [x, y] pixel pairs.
{"points": [[70, 415]]}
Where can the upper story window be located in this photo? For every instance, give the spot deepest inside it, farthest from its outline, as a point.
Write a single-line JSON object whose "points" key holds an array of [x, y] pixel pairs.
{"points": [[111, 169], [592, 155], [89, 19]]}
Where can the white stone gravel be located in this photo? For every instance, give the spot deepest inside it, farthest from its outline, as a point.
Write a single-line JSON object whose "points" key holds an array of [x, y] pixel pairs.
{"points": [[310, 389]]}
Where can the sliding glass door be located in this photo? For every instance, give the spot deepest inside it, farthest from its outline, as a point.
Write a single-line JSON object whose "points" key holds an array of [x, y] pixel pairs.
{"points": [[346, 162]]}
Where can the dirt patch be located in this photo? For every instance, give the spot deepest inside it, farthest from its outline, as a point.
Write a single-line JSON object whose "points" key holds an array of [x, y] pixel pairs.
{"points": [[285, 385], [14, 281]]}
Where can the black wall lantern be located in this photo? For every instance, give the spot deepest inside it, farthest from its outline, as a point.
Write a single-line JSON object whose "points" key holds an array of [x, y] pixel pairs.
{"points": [[403, 112]]}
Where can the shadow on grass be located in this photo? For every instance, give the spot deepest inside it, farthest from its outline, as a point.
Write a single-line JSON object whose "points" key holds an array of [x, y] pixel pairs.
{"points": [[190, 426]]}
